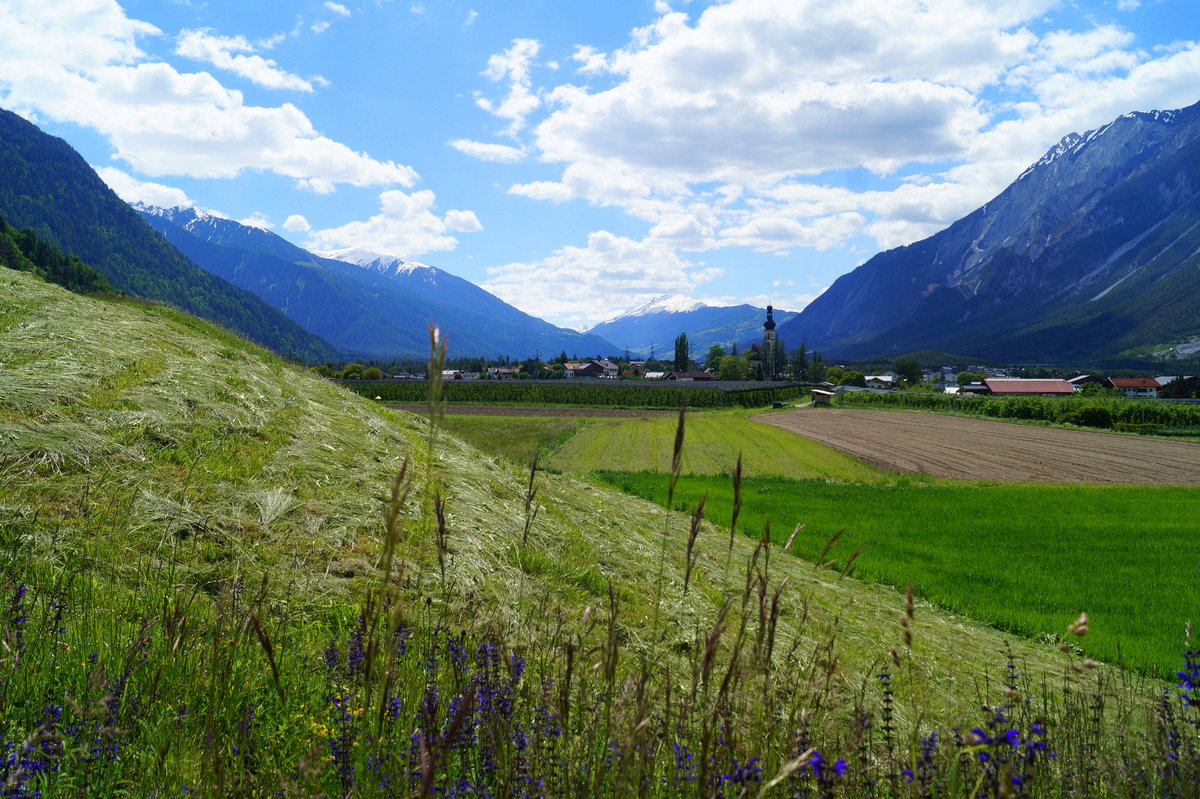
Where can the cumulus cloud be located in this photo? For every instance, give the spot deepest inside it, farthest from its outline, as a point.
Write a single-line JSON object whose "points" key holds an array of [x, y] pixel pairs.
{"points": [[229, 53], [406, 226], [778, 103], [257, 219], [159, 120], [296, 223], [486, 151], [337, 8], [513, 66], [581, 285], [132, 190]]}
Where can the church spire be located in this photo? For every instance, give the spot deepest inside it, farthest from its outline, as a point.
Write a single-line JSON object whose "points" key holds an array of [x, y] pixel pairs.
{"points": [[770, 323]]}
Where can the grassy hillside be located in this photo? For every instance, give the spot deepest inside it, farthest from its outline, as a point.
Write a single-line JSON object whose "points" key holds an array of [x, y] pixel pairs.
{"points": [[198, 580]]}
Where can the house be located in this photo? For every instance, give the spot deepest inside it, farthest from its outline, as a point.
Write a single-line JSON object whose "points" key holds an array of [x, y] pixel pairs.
{"points": [[589, 369], [973, 388], [1082, 380], [886, 380], [1023, 387], [610, 369], [1135, 386], [687, 377], [501, 371]]}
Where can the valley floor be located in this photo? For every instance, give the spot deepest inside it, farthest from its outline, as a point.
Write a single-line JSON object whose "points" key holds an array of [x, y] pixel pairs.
{"points": [[984, 449]]}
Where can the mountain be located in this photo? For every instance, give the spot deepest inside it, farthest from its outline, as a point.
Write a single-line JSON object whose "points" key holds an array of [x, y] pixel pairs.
{"points": [[1093, 252], [49, 188], [367, 305], [657, 323]]}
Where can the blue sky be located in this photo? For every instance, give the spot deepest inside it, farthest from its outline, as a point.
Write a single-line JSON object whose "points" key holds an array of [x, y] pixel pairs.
{"points": [[578, 158]]}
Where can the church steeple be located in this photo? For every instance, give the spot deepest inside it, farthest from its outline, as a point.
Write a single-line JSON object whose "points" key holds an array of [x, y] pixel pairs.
{"points": [[770, 342]]}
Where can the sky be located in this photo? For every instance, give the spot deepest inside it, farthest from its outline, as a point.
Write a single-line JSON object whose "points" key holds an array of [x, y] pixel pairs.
{"points": [[578, 159]]}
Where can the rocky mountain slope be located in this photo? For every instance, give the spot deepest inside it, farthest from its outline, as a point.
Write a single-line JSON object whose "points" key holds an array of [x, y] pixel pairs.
{"points": [[1093, 252], [365, 304]]}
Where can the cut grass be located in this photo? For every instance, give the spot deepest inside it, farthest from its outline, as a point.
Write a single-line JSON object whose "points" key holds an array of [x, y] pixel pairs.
{"points": [[1026, 558], [514, 438], [714, 441]]}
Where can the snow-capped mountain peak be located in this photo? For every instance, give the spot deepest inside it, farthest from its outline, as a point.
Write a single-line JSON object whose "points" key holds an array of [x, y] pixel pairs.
{"points": [[667, 303], [385, 264]]}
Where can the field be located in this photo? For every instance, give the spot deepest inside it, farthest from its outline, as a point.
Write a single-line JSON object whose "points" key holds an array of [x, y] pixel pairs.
{"points": [[713, 444], [1026, 558], [1001, 543], [983, 449], [223, 577]]}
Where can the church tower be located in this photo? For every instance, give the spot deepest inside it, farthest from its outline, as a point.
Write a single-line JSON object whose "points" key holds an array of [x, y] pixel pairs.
{"points": [[768, 347]]}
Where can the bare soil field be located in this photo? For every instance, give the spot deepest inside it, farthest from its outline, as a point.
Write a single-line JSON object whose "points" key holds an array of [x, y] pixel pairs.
{"points": [[984, 449], [535, 410]]}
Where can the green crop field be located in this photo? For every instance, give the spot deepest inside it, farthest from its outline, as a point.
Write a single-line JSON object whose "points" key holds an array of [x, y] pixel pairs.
{"points": [[714, 441], [1026, 558]]}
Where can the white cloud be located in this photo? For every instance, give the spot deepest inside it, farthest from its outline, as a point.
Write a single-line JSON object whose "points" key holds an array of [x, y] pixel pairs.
{"points": [[159, 120], [462, 221], [472, 15], [405, 226], [132, 190], [337, 8], [296, 223], [591, 61], [773, 100], [486, 151], [581, 286], [228, 53], [513, 65], [257, 219]]}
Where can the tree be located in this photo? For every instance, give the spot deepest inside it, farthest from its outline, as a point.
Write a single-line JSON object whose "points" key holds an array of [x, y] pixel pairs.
{"points": [[352, 371], [800, 363], [779, 367], [968, 377], [372, 373], [817, 371], [834, 374], [852, 378], [712, 361], [909, 369], [682, 356], [734, 369]]}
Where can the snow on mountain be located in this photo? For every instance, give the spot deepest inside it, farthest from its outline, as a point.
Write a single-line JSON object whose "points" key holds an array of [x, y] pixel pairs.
{"points": [[388, 265], [667, 303]]}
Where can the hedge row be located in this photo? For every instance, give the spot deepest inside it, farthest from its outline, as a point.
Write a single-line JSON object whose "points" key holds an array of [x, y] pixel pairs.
{"points": [[615, 394], [1127, 414]]}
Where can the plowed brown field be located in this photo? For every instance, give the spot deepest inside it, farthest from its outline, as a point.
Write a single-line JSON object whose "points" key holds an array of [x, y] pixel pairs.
{"points": [[985, 449]]}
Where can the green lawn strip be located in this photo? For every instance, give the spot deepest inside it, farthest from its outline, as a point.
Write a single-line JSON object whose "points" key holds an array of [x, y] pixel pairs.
{"points": [[515, 438], [714, 441], [1024, 558]]}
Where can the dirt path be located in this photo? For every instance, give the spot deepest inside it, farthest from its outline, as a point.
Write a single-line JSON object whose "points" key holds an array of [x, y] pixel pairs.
{"points": [[985, 449]]}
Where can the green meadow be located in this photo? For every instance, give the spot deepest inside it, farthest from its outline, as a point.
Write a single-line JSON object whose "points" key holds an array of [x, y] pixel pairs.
{"points": [[1026, 558]]}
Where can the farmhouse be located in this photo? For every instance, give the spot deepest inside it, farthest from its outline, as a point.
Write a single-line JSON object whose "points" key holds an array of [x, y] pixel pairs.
{"points": [[1135, 386], [881, 381], [1013, 386], [589, 369]]}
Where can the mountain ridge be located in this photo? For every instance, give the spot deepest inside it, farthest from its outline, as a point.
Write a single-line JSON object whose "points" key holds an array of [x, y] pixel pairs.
{"points": [[49, 188], [1044, 270], [377, 309]]}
